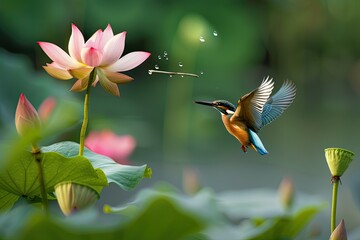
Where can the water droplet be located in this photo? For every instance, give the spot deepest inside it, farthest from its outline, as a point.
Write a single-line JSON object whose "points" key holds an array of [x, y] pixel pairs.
{"points": [[180, 64], [215, 33], [150, 72], [159, 57], [182, 75], [166, 58], [170, 75], [201, 73], [165, 53], [156, 67], [202, 39]]}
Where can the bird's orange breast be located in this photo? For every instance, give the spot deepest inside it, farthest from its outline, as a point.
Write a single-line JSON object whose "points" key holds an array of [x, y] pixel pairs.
{"points": [[238, 129]]}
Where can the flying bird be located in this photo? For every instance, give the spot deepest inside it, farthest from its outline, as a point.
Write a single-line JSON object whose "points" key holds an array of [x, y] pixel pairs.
{"points": [[254, 111]]}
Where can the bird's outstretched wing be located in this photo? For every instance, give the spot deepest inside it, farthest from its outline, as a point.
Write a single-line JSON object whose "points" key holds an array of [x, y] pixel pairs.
{"points": [[277, 103], [251, 106]]}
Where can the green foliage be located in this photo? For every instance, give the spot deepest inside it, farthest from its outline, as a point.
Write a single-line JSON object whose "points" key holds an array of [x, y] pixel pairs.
{"points": [[19, 178], [296, 223], [160, 218], [65, 115], [127, 177], [281, 227], [265, 217], [211, 209], [163, 213], [7, 199], [202, 205], [60, 161]]}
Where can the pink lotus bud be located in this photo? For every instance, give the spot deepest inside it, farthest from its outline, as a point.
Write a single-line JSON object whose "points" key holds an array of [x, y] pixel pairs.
{"points": [[191, 182], [340, 232], [286, 192], [26, 117]]}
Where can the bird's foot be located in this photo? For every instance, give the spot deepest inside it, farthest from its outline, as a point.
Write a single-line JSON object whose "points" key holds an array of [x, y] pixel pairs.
{"points": [[243, 147]]}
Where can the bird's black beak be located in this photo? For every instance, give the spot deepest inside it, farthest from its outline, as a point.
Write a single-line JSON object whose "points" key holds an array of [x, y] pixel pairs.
{"points": [[205, 103]]}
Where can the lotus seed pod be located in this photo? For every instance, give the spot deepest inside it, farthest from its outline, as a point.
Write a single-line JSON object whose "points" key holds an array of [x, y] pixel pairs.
{"points": [[73, 197], [338, 160], [340, 232]]}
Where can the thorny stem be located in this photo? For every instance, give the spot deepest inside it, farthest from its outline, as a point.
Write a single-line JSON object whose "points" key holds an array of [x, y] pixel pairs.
{"points": [[86, 112], [38, 159], [335, 181]]}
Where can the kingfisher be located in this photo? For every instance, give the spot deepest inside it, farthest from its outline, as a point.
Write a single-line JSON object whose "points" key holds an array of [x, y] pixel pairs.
{"points": [[254, 111]]}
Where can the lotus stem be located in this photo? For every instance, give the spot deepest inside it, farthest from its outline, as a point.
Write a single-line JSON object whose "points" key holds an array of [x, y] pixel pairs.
{"points": [[335, 181], [86, 112], [38, 159]]}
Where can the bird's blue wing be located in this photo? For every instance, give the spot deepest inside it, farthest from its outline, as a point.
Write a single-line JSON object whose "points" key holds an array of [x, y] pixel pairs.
{"points": [[277, 104], [255, 140]]}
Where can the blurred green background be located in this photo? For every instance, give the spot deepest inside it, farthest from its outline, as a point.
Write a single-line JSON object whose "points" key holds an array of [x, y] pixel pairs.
{"points": [[232, 46]]}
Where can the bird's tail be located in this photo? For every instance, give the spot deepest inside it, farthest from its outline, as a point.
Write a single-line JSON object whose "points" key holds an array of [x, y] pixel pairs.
{"points": [[256, 143]]}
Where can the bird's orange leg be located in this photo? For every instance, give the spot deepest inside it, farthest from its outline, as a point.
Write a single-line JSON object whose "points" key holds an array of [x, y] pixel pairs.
{"points": [[243, 148]]}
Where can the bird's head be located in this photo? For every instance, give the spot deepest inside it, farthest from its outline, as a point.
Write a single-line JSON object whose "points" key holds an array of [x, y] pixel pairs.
{"points": [[224, 107]]}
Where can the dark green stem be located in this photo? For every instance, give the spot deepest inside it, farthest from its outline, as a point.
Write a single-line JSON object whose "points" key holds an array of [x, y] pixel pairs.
{"points": [[38, 159], [86, 112], [335, 181]]}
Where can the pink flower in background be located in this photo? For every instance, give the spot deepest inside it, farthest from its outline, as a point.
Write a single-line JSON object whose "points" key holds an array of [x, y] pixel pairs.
{"points": [[101, 51], [46, 108], [109, 144]]}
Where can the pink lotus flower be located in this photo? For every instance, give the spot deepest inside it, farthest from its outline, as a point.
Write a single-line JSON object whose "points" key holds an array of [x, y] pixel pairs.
{"points": [[111, 145], [102, 52]]}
